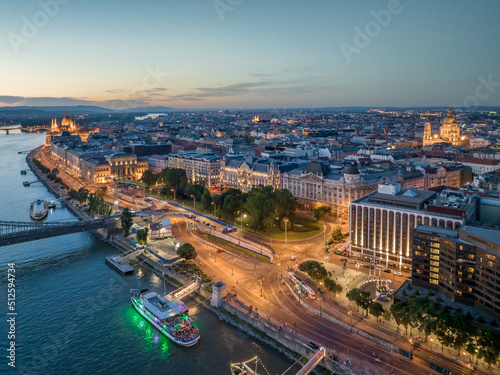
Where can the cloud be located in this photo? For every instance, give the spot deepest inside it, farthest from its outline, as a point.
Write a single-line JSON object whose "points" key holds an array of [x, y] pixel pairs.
{"points": [[43, 100], [267, 87]]}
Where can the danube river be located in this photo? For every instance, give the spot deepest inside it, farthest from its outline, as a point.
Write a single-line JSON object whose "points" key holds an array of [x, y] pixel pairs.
{"points": [[73, 311]]}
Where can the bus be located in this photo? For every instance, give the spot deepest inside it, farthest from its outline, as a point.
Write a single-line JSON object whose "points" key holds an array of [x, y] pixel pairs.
{"points": [[301, 285]]}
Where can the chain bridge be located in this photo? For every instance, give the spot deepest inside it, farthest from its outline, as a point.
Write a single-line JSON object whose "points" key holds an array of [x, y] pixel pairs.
{"points": [[12, 232]]}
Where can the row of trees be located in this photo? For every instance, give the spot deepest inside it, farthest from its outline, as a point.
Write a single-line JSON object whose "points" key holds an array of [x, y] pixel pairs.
{"points": [[363, 299], [95, 201], [451, 328], [51, 174], [318, 272]]}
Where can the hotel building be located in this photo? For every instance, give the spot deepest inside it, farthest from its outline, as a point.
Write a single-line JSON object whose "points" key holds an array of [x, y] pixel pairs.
{"points": [[381, 223], [200, 168], [461, 264]]}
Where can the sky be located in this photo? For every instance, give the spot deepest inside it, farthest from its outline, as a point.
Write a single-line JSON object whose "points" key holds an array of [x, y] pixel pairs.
{"points": [[250, 53]]}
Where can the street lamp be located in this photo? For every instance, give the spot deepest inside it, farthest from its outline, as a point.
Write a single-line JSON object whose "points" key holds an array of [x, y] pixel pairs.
{"points": [[242, 216], [174, 193], [350, 313], [320, 305], [232, 261], [286, 227]]}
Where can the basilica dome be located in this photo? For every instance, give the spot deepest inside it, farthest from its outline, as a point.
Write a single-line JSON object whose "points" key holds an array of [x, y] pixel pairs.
{"points": [[450, 119]]}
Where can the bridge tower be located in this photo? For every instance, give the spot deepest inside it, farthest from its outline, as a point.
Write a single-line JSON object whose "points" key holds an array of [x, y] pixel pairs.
{"points": [[217, 293]]}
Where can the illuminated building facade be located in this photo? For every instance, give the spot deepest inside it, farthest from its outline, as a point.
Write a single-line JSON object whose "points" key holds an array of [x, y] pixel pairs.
{"points": [[381, 223], [448, 133], [200, 168], [68, 125], [317, 184], [460, 264]]}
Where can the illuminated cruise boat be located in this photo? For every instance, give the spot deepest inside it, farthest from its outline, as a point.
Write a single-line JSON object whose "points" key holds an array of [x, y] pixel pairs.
{"points": [[39, 209], [169, 317]]}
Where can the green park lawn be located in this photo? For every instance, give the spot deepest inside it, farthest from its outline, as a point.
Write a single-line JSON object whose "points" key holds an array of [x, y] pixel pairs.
{"points": [[310, 227]]}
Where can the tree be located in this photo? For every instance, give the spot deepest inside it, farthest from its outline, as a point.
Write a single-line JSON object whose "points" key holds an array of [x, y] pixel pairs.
{"points": [[285, 204], [376, 309], [206, 199], [314, 269], [337, 235], [232, 203], [360, 298], [84, 193], [488, 342], [195, 191], [322, 211], [174, 178], [387, 315], [101, 192], [55, 171], [142, 236], [149, 178], [332, 286], [287, 222], [400, 314], [260, 207], [187, 251], [126, 221]]}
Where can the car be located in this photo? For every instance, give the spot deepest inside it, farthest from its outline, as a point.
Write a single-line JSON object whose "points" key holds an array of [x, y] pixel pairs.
{"points": [[360, 264], [219, 251], [207, 224], [293, 257], [352, 261], [398, 274], [391, 291], [312, 345], [387, 270], [343, 260], [378, 268]]}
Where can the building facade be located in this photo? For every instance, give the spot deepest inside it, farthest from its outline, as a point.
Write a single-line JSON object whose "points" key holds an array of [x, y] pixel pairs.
{"points": [[449, 132], [381, 223], [461, 264], [68, 125], [316, 184], [200, 168], [245, 173]]}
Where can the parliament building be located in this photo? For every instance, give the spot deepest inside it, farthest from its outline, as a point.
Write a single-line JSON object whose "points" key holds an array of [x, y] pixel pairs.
{"points": [[69, 125]]}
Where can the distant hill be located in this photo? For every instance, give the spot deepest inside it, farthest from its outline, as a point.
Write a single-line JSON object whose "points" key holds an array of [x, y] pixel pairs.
{"points": [[76, 110], [158, 109]]}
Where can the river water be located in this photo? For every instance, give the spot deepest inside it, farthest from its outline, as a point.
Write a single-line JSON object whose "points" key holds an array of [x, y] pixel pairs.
{"points": [[73, 311]]}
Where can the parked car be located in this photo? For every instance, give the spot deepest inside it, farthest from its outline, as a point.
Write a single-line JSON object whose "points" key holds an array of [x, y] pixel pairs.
{"points": [[398, 274], [387, 270], [343, 260], [378, 268], [313, 345], [293, 258], [352, 261], [219, 251]]}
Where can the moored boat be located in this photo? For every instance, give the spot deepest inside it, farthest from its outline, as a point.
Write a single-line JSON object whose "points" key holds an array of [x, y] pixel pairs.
{"points": [[169, 317], [39, 209]]}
